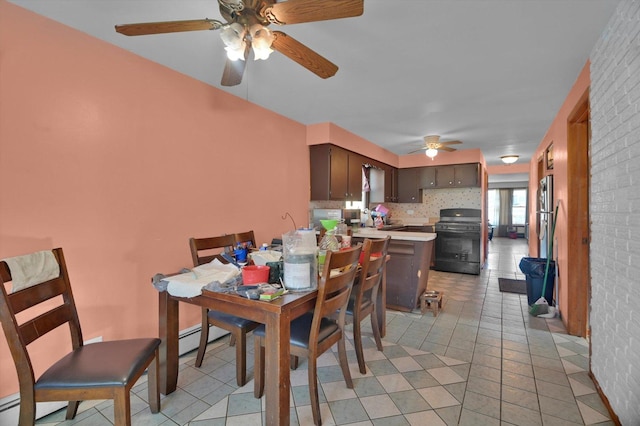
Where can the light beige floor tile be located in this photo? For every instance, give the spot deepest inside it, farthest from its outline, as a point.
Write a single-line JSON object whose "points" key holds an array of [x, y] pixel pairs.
{"points": [[422, 418], [450, 361], [305, 416], [571, 368], [481, 404], [405, 364], [521, 416], [379, 406], [589, 415], [580, 389], [254, 419], [552, 390], [438, 397], [445, 375], [561, 409], [484, 387], [472, 418], [519, 381], [394, 383], [485, 372], [335, 391], [520, 397]]}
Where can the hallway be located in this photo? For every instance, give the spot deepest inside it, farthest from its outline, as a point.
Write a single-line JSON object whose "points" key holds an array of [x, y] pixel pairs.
{"points": [[482, 361]]}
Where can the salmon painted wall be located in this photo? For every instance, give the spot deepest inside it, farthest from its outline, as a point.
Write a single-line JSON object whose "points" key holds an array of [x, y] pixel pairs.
{"points": [[119, 161], [557, 134], [330, 133], [508, 169]]}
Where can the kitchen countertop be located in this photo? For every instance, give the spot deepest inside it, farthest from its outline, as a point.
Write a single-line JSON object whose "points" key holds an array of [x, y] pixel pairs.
{"points": [[395, 235]]}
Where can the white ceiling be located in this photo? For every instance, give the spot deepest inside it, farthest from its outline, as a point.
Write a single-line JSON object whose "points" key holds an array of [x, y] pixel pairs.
{"points": [[492, 73]]}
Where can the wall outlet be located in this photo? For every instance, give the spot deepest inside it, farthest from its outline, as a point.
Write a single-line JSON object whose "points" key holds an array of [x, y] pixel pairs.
{"points": [[410, 211]]}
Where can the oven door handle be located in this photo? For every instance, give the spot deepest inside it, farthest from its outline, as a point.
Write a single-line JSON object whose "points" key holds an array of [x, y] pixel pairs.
{"points": [[472, 234]]}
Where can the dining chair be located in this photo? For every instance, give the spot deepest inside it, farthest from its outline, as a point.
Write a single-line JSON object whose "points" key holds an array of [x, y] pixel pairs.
{"points": [[364, 296], [102, 370], [246, 237], [202, 252], [315, 332]]}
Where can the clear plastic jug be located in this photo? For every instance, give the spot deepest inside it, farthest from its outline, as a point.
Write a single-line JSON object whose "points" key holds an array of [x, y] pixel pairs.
{"points": [[300, 256]]}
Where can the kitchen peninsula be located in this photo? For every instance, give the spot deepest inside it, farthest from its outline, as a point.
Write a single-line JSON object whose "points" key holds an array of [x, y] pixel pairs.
{"points": [[408, 266]]}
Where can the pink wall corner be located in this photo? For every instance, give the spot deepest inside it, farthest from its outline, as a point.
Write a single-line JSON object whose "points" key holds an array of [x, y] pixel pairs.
{"points": [[119, 161], [557, 134], [330, 133]]}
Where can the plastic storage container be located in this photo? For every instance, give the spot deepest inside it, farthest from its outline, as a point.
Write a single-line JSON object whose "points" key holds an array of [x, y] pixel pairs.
{"points": [[533, 269], [300, 255], [254, 274]]}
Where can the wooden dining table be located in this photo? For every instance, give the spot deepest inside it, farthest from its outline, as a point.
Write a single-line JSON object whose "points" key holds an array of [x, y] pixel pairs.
{"points": [[276, 315]]}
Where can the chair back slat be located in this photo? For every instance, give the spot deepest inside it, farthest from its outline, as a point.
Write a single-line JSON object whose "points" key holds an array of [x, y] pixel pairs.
{"points": [[205, 250], [31, 296], [37, 327]]}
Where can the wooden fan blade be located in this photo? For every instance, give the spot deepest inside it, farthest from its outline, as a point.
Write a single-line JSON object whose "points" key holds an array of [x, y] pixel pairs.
{"points": [[418, 150], [299, 11], [300, 53], [234, 70], [446, 148], [450, 143], [167, 27]]}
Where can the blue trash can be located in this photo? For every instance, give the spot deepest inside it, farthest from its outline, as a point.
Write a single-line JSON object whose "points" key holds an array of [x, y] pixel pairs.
{"points": [[533, 269]]}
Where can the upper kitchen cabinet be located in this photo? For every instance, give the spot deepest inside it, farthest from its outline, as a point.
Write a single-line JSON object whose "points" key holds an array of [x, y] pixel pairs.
{"points": [[458, 176], [390, 184], [336, 174], [409, 190], [428, 177]]}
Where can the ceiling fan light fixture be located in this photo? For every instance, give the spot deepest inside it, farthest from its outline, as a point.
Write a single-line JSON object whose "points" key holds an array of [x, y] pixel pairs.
{"points": [[233, 38], [261, 40], [431, 152], [509, 159]]}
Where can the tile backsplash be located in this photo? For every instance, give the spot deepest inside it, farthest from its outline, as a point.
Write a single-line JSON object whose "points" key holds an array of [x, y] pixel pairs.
{"points": [[433, 200]]}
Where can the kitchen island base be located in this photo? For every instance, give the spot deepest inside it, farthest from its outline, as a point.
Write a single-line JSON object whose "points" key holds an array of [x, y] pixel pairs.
{"points": [[407, 270]]}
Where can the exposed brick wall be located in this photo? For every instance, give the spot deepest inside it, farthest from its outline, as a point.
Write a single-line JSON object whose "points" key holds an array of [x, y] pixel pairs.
{"points": [[615, 211]]}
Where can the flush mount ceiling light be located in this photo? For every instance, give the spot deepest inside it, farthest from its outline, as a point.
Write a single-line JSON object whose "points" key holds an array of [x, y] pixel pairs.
{"points": [[509, 159], [431, 152]]}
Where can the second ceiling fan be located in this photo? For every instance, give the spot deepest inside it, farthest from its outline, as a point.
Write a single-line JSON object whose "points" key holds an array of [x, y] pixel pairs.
{"points": [[246, 29], [432, 145]]}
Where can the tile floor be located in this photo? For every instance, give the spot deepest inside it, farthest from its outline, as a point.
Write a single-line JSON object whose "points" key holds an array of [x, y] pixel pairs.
{"points": [[482, 361]]}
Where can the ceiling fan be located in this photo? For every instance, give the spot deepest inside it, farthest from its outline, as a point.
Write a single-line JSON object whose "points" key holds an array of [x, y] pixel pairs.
{"points": [[432, 145], [246, 28]]}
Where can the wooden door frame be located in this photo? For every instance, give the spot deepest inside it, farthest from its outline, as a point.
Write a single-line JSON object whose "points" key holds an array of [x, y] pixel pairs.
{"points": [[578, 221]]}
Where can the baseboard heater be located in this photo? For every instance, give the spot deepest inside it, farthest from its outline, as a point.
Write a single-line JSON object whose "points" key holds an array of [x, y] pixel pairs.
{"points": [[188, 340]]}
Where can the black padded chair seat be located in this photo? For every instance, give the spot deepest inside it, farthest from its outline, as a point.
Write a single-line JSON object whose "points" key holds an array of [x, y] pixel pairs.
{"points": [[118, 360], [231, 319], [301, 328]]}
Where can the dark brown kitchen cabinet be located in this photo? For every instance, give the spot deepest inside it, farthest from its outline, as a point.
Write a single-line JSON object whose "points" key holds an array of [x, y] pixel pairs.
{"points": [[336, 173], [428, 177], [458, 176], [390, 184], [409, 190]]}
